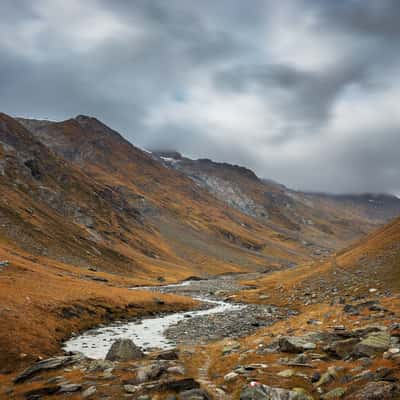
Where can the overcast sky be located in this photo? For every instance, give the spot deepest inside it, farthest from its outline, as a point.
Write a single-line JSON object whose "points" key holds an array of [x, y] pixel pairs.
{"points": [[305, 92]]}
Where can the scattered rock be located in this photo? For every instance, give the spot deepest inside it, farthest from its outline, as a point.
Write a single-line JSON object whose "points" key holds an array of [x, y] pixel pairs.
{"points": [[131, 388], [230, 347], [90, 391], [257, 391], [231, 376], [180, 385], [167, 355], [70, 388], [100, 365], [329, 376], [334, 394], [150, 372], [293, 344], [124, 350], [51, 363], [143, 397], [176, 369], [43, 391], [194, 394], [378, 391], [287, 373], [373, 344], [342, 348]]}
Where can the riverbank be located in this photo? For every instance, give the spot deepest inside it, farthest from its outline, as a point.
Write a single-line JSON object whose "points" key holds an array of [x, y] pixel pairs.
{"points": [[220, 317], [43, 303], [345, 347]]}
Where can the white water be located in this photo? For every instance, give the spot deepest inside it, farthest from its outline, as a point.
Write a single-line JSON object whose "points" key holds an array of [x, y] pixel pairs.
{"points": [[147, 333]]}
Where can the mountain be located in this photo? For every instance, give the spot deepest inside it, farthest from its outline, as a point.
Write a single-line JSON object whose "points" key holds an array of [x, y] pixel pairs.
{"points": [[321, 221], [179, 226], [84, 215]]}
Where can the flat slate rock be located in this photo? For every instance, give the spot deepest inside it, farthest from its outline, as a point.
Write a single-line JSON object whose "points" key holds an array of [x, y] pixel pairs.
{"points": [[51, 363], [373, 344]]}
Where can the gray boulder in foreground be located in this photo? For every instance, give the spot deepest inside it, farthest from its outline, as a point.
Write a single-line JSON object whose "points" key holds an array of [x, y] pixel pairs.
{"points": [[124, 350]]}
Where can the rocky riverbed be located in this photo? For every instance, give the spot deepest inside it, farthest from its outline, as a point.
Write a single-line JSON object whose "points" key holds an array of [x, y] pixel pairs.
{"points": [[229, 324], [325, 352], [219, 317]]}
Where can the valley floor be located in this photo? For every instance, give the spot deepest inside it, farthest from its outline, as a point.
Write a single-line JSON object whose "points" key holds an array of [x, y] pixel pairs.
{"points": [[311, 332]]}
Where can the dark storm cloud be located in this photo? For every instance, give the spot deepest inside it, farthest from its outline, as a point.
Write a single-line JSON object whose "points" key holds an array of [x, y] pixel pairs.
{"points": [[305, 92]]}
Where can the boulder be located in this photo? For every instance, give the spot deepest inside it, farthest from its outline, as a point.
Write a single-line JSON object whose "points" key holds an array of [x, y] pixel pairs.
{"points": [[374, 343], [378, 391], [124, 350], [264, 392], [294, 344], [342, 348]]}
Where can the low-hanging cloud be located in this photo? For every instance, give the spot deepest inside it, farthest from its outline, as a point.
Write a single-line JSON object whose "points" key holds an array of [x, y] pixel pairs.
{"points": [[305, 92]]}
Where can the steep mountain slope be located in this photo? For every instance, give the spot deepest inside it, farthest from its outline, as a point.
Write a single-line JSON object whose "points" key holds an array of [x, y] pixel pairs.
{"points": [[368, 267], [377, 255], [49, 207], [320, 220], [187, 227]]}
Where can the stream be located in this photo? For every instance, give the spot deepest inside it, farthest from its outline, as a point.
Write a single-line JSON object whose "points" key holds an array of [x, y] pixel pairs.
{"points": [[221, 319]]}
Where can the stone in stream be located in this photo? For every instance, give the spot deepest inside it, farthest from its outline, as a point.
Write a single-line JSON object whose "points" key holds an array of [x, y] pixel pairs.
{"points": [[124, 350]]}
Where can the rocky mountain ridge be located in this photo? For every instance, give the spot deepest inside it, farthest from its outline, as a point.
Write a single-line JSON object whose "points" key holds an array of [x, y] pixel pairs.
{"points": [[318, 217]]}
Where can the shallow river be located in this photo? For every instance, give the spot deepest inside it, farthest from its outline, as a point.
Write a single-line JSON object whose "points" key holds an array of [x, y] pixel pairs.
{"points": [[146, 333]]}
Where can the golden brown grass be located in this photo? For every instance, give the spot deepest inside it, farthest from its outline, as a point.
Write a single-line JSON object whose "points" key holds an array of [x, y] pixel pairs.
{"points": [[37, 296]]}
